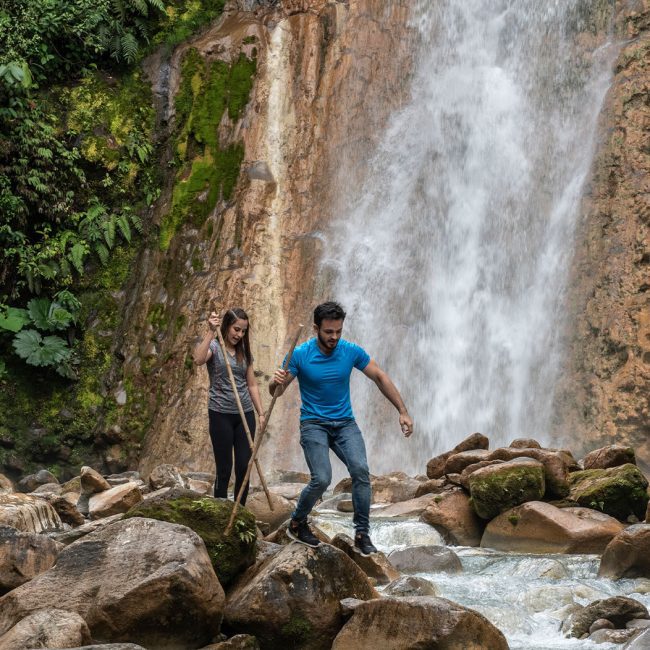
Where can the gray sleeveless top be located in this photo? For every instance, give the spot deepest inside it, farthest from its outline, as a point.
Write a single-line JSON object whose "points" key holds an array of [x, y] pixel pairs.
{"points": [[221, 397]]}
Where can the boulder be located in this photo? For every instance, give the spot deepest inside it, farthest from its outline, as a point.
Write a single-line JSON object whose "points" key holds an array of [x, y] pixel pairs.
{"points": [[436, 466], [208, 517], [138, 580], [23, 556], [619, 610], [410, 508], [288, 476], [50, 626], [258, 504], [389, 488], [375, 566], [167, 476], [28, 513], [611, 636], [293, 601], [456, 463], [415, 623], [525, 443], [452, 515], [640, 642], [410, 586], [432, 486], [609, 456], [73, 485], [32, 481], [425, 559], [618, 491], [68, 536], [538, 527], [116, 500], [66, 509], [628, 554], [289, 491], [496, 488], [470, 469], [47, 488], [92, 482], [556, 467], [6, 486]]}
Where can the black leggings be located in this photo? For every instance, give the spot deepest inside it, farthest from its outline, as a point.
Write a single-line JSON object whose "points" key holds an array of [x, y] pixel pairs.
{"points": [[227, 433]]}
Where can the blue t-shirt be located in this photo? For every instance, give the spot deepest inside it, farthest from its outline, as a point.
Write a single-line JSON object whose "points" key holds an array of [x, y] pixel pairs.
{"points": [[324, 379]]}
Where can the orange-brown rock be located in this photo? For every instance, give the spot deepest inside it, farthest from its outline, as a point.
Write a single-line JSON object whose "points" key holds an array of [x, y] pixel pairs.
{"points": [[411, 508], [6, 486], [28, 513], [432, 486], [436, 466], [388, 488], [49, 627], [151, 583], [23, 556], [306, 124], [456, 463], [628, 554], [609, 456], [525, 443], [470, 469], [375, 566], [114, 501], [258, 504], [453, 517], [417, 622], [604, 397], [538, 527], [556, 467], [294, 598]]}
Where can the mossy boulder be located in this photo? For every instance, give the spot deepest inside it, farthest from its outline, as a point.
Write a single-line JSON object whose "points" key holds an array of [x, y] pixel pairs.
{"points": [[617, 491], [208, 517], [499, 487]]}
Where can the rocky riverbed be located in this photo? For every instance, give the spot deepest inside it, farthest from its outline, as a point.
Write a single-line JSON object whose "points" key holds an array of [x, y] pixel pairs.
{"points": [[519, 546]]}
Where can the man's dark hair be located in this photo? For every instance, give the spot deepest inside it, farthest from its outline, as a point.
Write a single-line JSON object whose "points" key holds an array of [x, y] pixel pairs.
{"points": [[328, 311]]}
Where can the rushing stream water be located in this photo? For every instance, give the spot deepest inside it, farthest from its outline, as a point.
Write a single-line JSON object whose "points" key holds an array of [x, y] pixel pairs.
{"points": [[452, 258], [525, 596]]}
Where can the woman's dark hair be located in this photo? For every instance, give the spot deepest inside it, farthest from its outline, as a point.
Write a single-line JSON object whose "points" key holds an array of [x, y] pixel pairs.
{"points": [[243, 348], [328, 311]]}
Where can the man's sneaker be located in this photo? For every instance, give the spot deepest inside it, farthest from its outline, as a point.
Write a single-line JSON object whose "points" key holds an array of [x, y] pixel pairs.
{"points": [[363, 543], [300, 532]]}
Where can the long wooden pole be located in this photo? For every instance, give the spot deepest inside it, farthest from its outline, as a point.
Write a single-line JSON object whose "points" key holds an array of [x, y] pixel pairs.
{"points": [[258, 440], [243, 416]]}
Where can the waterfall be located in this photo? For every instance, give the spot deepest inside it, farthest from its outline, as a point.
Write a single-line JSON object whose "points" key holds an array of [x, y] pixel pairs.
{"points": [[452, 257]]}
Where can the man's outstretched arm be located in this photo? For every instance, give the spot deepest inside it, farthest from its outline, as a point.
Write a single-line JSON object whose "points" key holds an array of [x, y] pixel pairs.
{"points": [[389, 390]]}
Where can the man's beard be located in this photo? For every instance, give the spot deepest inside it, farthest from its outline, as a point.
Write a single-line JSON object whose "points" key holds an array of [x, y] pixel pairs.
{"points": [[325, 344]]}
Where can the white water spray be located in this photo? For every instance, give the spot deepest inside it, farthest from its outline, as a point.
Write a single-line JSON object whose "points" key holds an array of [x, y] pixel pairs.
{"points": [[452, 259]]}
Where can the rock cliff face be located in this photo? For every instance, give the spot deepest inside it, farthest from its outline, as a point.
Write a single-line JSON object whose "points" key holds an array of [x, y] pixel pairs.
{"points": [[309, 85], [606, 393], [327, 75]]}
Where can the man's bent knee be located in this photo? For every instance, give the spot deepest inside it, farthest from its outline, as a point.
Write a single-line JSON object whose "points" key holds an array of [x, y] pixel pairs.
{"points": [[359, 473], [320, 482]]}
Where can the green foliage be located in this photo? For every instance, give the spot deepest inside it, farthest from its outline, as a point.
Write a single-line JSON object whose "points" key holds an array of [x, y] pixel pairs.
{"points": [[185, 17]]}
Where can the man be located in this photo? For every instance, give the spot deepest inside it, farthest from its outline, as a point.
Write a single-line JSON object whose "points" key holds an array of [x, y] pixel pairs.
{"points": [[323, 366]]}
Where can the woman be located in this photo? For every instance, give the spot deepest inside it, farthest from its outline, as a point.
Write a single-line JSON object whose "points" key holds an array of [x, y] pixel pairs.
{"points": [[226, 427]]}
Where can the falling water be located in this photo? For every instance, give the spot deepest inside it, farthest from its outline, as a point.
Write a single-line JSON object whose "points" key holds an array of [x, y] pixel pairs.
{"points": [[452, 259]]}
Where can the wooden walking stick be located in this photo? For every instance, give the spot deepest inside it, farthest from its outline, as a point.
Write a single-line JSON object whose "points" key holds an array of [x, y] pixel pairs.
{"points": [[258, 440], [240, 408]]}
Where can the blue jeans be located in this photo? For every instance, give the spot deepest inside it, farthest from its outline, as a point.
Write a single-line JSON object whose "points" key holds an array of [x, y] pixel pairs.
{"points": [[344, 438]]}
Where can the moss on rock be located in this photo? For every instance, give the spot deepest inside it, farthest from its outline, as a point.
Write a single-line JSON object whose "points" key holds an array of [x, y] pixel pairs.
{"points": [[209, 162], [499, 487], [618, 491], [208, 517]]}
